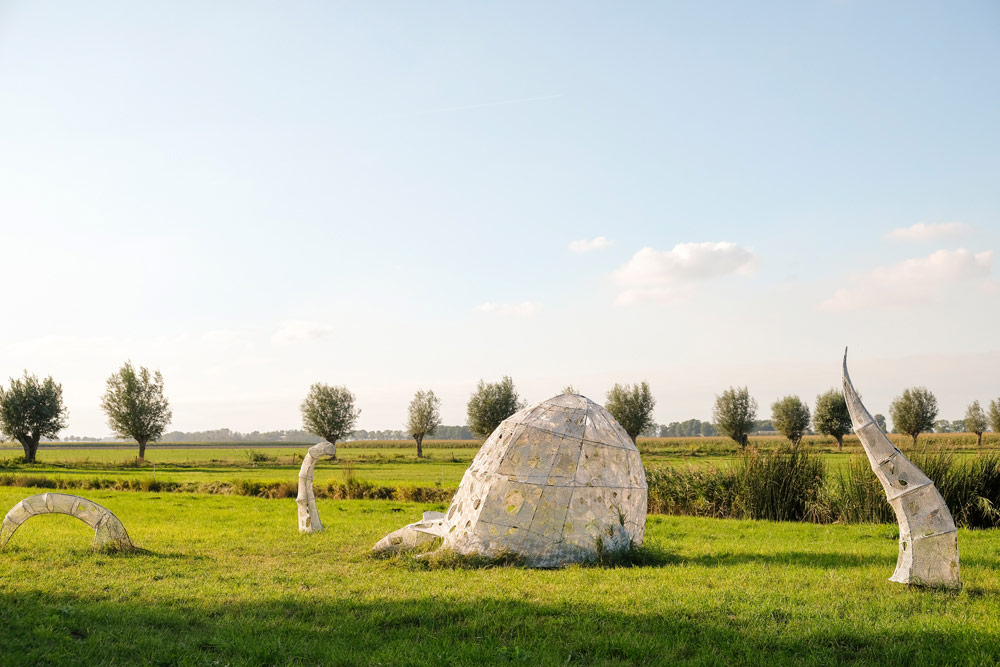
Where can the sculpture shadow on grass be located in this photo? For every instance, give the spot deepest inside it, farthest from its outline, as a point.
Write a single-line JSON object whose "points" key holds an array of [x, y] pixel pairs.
{"points": [[430, 557], [41, 628], [652, 556]]}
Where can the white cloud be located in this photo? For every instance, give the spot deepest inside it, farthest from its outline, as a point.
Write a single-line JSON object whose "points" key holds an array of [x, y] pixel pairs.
{"points": [[584, 245], [914, 281], [928, 231], [660, 275], [298, 331], [523, 309]]}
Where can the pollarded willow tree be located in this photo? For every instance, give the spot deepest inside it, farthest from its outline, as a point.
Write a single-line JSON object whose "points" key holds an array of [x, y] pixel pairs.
{"points": [[423, 417], [31, 409], [976, 422], [734, 414], [994, 415], [329, 412], [880, 421], [490, 404], [791, 418], [632, 405], [135, 405], [914, 411], [832, 417]]}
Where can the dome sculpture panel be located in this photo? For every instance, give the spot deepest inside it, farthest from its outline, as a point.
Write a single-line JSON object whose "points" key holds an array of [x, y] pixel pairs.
{"points": [[555, 483]]}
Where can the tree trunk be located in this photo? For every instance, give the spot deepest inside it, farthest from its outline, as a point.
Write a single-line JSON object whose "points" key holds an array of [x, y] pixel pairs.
{"points": [[840, 442], [142, 450], [979, 439], [30, 446], [420, 446], [914, 436]]}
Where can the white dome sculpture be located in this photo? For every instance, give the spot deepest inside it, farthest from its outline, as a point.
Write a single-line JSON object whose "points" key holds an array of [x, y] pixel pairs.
{"points": [[555, 483]]}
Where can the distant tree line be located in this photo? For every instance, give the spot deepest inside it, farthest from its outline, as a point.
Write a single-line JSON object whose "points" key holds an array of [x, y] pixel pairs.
{"points": [[692, 428], [442, 432], [226, 435]]}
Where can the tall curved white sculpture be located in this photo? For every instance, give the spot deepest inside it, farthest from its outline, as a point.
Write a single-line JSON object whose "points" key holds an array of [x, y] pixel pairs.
{"points": [[306, 499], [108, 530], [928, 539]]}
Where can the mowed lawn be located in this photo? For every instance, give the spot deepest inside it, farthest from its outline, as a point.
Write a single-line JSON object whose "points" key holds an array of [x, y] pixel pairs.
{"points": [[229, 580]]}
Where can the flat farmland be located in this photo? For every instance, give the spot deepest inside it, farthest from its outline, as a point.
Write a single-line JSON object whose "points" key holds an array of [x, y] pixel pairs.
{"points": [[389, 463]]}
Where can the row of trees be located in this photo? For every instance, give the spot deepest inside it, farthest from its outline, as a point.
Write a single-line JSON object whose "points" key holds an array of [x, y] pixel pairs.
{"points": [[913, 413], [330, 412], [136, 408]]}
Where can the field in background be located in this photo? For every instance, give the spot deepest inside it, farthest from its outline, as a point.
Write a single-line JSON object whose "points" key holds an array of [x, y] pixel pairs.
{"points": [[229, 580], [389, 463]]}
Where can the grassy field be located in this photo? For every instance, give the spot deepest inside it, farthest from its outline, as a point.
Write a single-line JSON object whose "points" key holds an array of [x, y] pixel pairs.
{"points": [[228, 580], [392, 466], [391, 463]]}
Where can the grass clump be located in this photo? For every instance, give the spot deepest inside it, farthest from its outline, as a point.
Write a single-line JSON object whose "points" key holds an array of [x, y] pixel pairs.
{"points": [[794, 485], [256, 457], [855, 495], [778, 485]]}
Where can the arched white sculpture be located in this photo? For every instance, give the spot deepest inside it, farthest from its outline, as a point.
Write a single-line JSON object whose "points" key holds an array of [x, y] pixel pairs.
{"points": [[928, 539], [108, 530], [306, 499], [556, 483]]}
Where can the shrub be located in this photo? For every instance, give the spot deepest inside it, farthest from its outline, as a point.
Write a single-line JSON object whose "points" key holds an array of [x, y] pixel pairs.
{"points": [[258, 457]]}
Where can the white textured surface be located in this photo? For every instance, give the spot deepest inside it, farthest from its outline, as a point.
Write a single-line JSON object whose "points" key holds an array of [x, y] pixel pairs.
{"points": [[928, 539], [306, 498], [555, 483], [107, 527]]}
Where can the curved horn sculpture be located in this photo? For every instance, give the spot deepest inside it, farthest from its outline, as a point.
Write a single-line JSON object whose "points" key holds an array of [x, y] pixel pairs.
{"points": [[928, 539], [108, 530], [306, 499]]}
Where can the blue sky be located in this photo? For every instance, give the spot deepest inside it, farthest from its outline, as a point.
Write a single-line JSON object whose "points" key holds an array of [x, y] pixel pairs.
{"points": [[256, 196]]}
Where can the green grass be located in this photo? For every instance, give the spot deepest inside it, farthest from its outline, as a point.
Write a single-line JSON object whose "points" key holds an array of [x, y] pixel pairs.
{"points": [[228, 580], [443, 467]]}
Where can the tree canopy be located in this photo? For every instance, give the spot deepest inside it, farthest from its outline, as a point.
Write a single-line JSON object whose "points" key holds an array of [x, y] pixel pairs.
{"points": [[423, 417], [832, 417], [791, 418], [31, 409], [994, 415], [734, 414], [632, 406], [490, 404], [135, 405], [880, 422], [329, 412], [914, 412]]}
